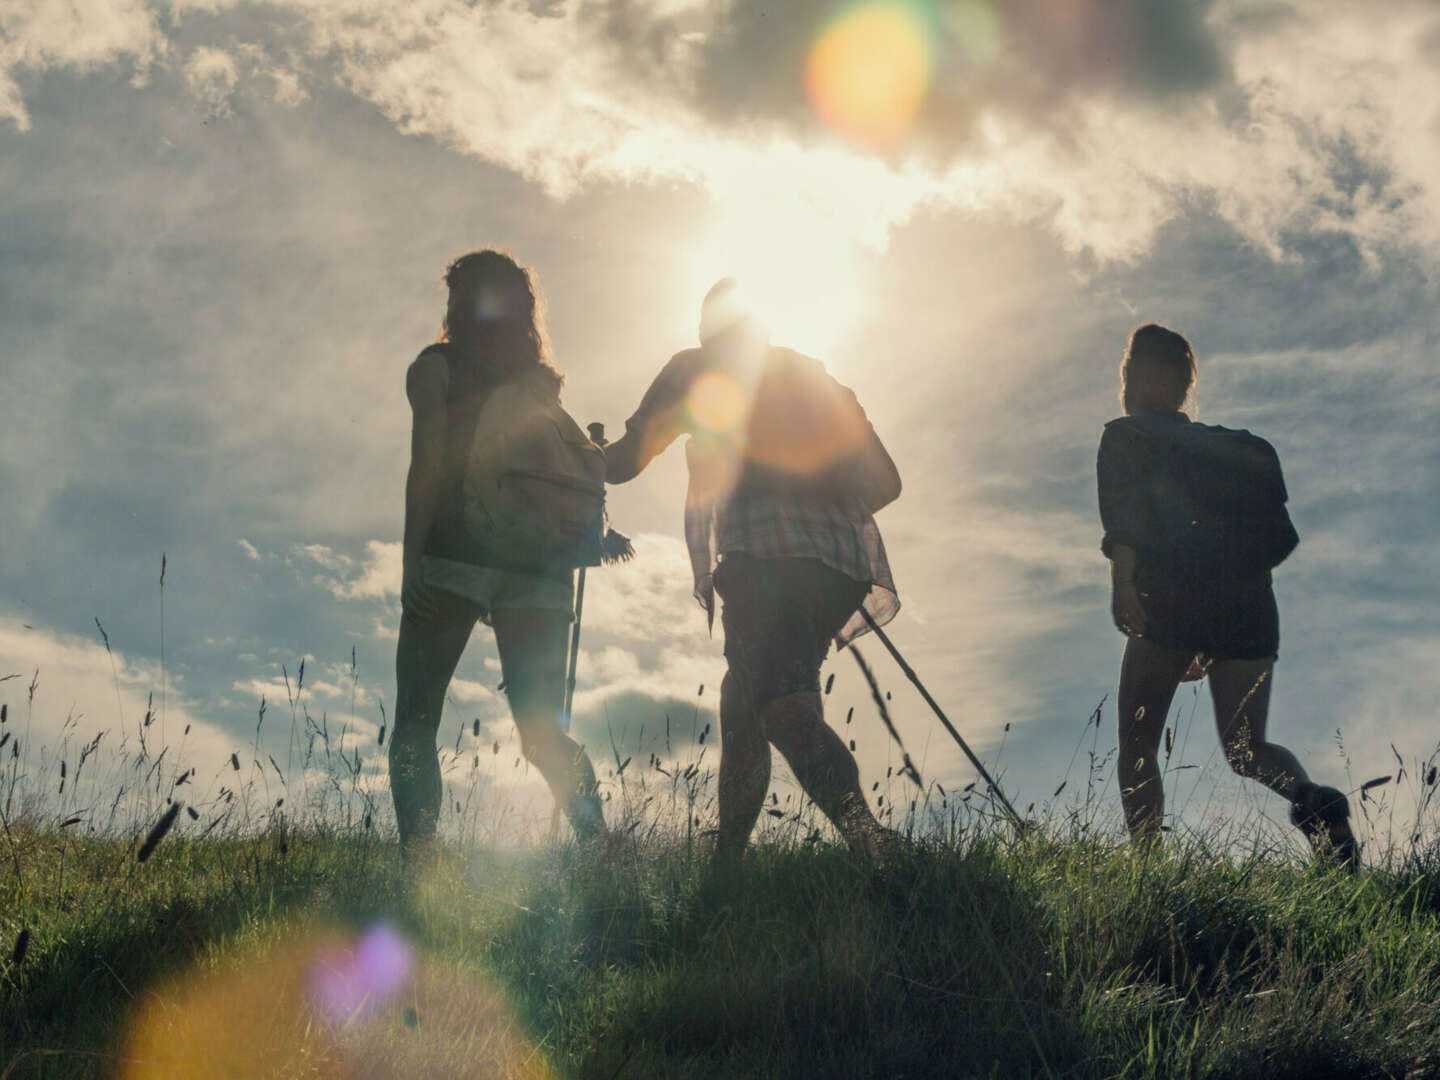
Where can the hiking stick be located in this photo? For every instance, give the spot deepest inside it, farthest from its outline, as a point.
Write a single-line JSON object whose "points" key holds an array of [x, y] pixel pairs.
{"points": [[597, 436], [574, 650], [1015, 818], [596, 432]]}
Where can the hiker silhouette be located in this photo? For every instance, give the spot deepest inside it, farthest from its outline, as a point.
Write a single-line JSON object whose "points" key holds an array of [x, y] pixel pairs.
{"points": [[1194, 521], [456, 573], [785, 476]]}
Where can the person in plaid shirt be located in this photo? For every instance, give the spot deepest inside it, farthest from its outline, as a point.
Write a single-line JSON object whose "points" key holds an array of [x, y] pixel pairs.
{"points": [[786, 474]]}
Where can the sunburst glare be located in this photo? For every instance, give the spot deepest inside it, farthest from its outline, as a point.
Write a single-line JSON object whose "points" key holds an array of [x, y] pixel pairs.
{"points": [[799, 255], [868, 72]]}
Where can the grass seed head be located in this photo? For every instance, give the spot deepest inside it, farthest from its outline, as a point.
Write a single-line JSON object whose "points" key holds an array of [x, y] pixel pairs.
{"points": [[162, 827]]}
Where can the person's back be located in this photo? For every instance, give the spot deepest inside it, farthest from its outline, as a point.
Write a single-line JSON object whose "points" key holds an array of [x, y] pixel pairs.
{"points": [[494, 345], [786, 475], [1194, 519], [1210, 500]]}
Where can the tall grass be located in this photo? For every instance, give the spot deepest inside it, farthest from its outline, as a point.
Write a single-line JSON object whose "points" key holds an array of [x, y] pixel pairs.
{"points": [[160, 918]]}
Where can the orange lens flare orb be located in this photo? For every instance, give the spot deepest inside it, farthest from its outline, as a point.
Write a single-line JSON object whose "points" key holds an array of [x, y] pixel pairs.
{"points": [[869, 71], [324, 1003], [718, 404]]}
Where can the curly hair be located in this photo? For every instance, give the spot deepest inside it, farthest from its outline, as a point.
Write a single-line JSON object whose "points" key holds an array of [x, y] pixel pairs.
{"points": [[495, 316], [1157, 373]]}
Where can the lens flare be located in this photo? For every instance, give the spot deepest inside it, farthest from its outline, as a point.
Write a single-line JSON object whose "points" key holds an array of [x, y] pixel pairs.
{"points": [[974, 25], [868, 73], [329, 1004], [717, 403], [349, 983]]}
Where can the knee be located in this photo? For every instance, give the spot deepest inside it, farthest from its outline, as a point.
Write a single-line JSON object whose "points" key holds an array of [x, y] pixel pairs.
{"points": [[543, 743], [415, 724]]}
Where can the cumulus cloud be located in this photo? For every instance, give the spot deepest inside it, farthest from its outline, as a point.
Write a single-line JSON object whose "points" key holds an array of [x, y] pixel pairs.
{"points": [[1106, 120], [210, 77], [373, 576], [81, 689], [1024, 60], [37, 35]]}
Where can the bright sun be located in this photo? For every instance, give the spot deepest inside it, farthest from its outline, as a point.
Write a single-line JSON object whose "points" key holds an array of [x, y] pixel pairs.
{"points": [[802, 272]]}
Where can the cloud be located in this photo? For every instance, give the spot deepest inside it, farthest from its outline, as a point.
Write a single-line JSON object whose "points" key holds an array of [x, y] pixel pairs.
{"points": [[210, 77], [373, 576], [1105, 120], [80, 35], [82, 690], [1024, 61]]}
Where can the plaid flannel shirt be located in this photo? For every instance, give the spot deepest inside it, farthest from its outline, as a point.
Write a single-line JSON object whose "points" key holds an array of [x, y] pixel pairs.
{"points": [[726, 516]]}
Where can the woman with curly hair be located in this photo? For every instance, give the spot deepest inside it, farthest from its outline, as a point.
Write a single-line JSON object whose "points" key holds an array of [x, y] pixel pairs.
{"points": [[1195, 596], [493, 335]]}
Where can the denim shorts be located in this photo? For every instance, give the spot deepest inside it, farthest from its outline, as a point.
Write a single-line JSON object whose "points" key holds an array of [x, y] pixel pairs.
{"points": [[490, 588]]}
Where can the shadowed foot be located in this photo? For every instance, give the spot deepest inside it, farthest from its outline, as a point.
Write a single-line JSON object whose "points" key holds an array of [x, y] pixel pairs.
{"points": [[1323, 815]]}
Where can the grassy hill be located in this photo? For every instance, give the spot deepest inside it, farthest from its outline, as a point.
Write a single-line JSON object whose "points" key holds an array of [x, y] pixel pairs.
{"points": [[311, 954]]}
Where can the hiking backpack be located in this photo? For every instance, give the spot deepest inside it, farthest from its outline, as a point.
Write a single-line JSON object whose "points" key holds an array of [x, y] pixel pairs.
{"points": [[1222, 511], [532, 497], [525, 487]]}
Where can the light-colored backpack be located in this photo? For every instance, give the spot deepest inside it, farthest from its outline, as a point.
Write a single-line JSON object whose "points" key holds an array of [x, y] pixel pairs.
{"points": [[533, 493]]}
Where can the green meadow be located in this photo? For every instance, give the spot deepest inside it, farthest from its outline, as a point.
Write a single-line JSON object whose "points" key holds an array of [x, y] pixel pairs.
{"points": [[975, 954]]}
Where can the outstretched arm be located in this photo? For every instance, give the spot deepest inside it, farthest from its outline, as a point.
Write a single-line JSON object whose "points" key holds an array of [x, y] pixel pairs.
{"points": [[657, 421], [624, 459]]}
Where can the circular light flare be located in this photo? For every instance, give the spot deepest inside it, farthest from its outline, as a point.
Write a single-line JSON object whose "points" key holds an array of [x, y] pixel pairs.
{"points": [[717, 403], [868, 73], [321, 1002], [974, 25]]}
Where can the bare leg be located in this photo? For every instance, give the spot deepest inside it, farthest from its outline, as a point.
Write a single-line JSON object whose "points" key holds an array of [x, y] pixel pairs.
{"points": [[826, 770], [425, 659], [532, 647], [744, 767], [1149, 674], [1240, 690]]}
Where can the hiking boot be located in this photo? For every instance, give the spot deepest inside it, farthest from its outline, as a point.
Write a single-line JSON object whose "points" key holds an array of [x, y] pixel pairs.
{"points": [[587, 818], [1323, 815]]}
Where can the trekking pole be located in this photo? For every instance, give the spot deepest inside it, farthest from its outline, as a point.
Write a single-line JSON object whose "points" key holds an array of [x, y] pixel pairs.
{"points": [[596, 432], [1015, 818]]}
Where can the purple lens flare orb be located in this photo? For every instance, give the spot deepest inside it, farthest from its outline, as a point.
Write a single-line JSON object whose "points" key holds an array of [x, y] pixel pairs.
{"points": [[349, 984]]}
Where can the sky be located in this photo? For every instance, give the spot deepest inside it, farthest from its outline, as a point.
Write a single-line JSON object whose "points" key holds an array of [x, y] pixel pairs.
{"points": [[221, 243]]}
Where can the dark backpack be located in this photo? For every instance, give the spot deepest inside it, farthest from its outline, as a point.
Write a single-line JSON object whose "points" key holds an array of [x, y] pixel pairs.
{"points": [[1222, 509], [527, 486]]}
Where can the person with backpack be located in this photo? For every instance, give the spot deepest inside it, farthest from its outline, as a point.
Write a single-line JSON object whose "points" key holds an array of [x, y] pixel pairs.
{"points": [[786, 475], [1194, 521], [504, 499]]}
